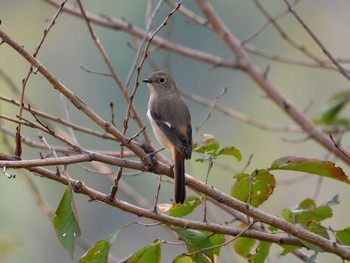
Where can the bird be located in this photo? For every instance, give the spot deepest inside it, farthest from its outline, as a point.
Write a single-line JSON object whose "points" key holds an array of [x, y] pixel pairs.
{"points": [[170, 119]]}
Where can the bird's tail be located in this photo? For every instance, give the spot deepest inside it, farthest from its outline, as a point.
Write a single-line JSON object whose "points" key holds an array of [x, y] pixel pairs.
{"points": [[179, 177]]}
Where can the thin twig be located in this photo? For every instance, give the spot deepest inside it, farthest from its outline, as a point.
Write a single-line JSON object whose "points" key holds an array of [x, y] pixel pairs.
{"points": [[207, 116], [210, 166], [338, 147], [61, 149], [66, 112], [343, 71], [284, 34], [75, 100], [159, 184], [255, 73], [41, 126], [131, 98], [111, 69], [270, 20], [192, 224], [144, 57], [119, 24], [136, 85], [191, 15], [256, 214], [240, 116], [95, 72], [225, 243], [47, 116], [321, 63], [149, 19], [32, 69], [212, 192]]}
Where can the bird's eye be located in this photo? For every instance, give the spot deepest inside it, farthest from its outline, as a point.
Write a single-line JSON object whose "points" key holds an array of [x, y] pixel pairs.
{"points": [[162, 80]]}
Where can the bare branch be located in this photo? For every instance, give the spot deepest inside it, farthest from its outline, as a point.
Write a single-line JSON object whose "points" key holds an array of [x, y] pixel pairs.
{"points": [[118, 24], [80, 187], [258, 215], [318, 41], [32, 69], [112, 71], [75, 100], [212, 107], [255, 73]]}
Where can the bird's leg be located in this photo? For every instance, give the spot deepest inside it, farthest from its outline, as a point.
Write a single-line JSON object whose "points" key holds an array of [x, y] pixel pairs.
{"points": [[172, 168], [153, 159], [156, 151]]}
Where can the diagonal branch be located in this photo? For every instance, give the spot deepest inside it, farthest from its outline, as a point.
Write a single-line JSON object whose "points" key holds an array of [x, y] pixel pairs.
{"points": [[258, 76], [284, 34], [33, 69], [80, 187], [118, 24], [112, 71], [294, 230], [318, 41], [75, 100], [87, 157]]}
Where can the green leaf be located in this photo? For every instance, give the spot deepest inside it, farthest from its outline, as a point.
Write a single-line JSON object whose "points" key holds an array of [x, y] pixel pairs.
{"points": [[262, 253], [315, 228], [209, 146], [314, 166], [306, 212], [307, 203], [183, 259], [288, 215], [273, 229], [151, 253], [314, 215], [197, 240], [288, 249], [341, 122], [334, 106], [97, 254], [112, 236], [240, 176], [201, 160], [216, 239], [188, 206], [66, 221], [232, 151], [243, 246], [261, 186], [240, 189], [344, 236]]}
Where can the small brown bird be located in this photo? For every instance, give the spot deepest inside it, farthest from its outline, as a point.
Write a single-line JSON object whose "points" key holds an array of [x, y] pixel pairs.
{"points": [[171, 124]]}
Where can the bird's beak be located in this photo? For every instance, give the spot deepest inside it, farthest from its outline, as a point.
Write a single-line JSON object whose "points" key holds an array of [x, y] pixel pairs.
{"points": [[147, 80]]}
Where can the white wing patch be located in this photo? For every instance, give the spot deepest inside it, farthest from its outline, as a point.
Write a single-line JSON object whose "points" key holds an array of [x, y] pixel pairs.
{"points": [[152, 120], [149, 115]]}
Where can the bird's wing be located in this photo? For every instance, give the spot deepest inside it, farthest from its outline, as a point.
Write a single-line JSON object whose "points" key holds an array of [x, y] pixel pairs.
{"points": [[180, 138]]}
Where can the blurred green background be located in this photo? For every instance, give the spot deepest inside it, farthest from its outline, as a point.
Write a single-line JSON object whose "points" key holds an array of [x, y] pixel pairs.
{"points": [[27, 235]]}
